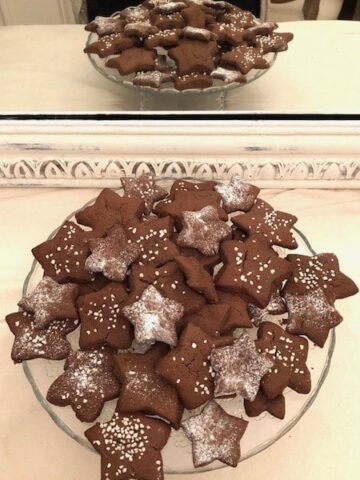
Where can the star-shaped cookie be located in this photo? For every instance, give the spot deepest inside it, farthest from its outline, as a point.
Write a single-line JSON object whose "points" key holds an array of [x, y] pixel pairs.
{"points": [[132, 60], [237, 195], [194, 56], [63, 257], [212, 319], [130, 446], [142, 389], [275, 42], [187, 367], [112, 255], [289, 354], [110, 45], [152, 237], [320, 271], [154, 317], [144, 187], [51, 301], [272, 225], [244, 58], [215, 435], [197, 277], [105, 25], [86, 384], [239, 368], [312, 315], [203, 230], [276, 406], [110, 210], [251, 269], [238, 316], [185, 186], [30, 342], [102, 320], [276, 306]]}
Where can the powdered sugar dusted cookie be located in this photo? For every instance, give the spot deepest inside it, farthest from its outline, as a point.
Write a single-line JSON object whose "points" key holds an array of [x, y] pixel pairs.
{"points": [[187, 367], [198, 34], [312, 315], [185, 186], [251, 269], [140, 30], [86, 384], [51, 301], [142, 389], [228, 76], [112, 255], [153, 79], [105, 25], [169, 7], [239, 368], [154, 317], [237, 195], [274, 226], [130, 446], [30, 342], [289, 354], [144, 187], [215, 435], [102, 320], [203, 230], [276, 306], [320, 271]]}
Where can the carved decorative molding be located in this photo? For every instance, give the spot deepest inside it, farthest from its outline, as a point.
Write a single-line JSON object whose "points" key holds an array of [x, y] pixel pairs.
{"points": [[272, 154]]}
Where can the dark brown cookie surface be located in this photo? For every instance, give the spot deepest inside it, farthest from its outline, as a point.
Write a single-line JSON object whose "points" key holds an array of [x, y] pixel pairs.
{"points": [[244, 58], [135, 59], [237, 195], [212, 319], [142, 389], [130, 446], [51, 301], [144, 187], [276, 406], [187, 367], [197, 277], [215, 435], [102, 321], [194, 56], [110, 45], [30, 342], [289, 354], [86, 384]]}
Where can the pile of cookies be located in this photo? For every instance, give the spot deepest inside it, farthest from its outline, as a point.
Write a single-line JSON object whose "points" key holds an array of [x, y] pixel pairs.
{"points": [[185, 274], [187, 43]]}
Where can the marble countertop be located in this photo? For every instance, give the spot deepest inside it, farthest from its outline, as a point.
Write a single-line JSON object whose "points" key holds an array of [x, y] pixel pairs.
{"points": [[44, 69], [323, 445]]}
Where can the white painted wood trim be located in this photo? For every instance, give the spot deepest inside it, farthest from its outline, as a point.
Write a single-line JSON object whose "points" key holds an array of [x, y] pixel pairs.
{"points": [[82, 154]]}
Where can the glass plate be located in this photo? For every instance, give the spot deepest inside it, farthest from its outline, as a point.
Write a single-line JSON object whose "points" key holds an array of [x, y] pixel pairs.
{"points": [[262, 431], [219, 87]]}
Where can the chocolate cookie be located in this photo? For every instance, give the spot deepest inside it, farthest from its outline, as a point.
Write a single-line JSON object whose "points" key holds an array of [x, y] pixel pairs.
{"points": [[132, 60], [189, 201], [231, 33], [152, 237], [194, 56], [276, 306], [312, 315], [51, 301], [143, 390], [112, 255], [187, 367], [215, 435], [105, 25], [239, 368], [265, 222], [197, 277], [244, 59], [212, 319], [144, 187], [289, 354], [192, 81], [154, 317], [228, 76], [163, 38], [102, 321], [130, 446], [110, 210], [320, 271], [86, 384], [275, 42], [140, 30], [167, 21], [30, 342], [63, 257], [237, 195], [239, 316], [194, 16], [185, 186], [110, 45], [203, 230], [153, 79], [276, 406], [251, 269]]}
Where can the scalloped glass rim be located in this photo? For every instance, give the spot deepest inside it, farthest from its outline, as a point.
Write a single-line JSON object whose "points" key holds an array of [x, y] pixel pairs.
{"points": [[110, 74], [211, 467]]}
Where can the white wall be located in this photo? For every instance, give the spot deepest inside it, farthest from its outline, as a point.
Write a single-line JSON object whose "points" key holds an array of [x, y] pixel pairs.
{"points": [[28, 12]]}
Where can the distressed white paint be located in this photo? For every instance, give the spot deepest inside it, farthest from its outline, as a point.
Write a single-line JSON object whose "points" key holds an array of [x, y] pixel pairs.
{"points": [[82, 154]]}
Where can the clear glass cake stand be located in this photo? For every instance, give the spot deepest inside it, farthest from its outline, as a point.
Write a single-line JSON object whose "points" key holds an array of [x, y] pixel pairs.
{"points": [[167, 97], [262, 432]]}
